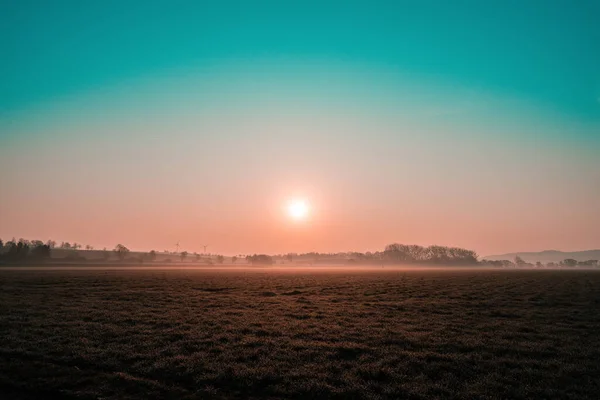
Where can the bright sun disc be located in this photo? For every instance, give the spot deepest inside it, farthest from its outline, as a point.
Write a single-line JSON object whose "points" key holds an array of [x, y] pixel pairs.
{"points": [[298, 210]]}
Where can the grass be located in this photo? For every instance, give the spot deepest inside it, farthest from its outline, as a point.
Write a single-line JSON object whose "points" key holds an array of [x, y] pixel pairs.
{"points": [[274, 334]]}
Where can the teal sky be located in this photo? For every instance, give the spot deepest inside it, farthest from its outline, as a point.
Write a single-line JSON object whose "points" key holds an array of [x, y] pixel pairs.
{"points": [[336, 92], [546, 51]]}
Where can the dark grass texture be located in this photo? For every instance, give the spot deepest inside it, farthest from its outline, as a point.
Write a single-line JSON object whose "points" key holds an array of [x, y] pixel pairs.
{"points": [[464, 334]]}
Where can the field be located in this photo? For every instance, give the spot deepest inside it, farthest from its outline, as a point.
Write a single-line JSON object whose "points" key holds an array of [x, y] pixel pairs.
{"points": [[271, 333]]}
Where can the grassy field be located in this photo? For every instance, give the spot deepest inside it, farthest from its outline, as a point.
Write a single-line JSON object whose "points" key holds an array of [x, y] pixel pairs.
{"points": [[186, 334]]}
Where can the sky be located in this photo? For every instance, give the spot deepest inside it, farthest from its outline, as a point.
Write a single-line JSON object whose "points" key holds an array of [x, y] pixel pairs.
{"points": [[466, 123]]}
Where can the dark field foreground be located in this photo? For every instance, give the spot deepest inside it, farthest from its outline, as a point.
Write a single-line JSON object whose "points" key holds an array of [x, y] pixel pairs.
{"points": [[273, 334]]}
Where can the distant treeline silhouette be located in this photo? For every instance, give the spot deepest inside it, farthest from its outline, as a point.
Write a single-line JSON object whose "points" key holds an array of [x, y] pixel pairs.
{"points": [[21, 250], [27, 251], [520, 263], [415, 254], [259, 259], [397, 253]]}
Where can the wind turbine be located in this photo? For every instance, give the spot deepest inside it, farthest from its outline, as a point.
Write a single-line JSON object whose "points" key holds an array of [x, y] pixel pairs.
{"points": [[177, 246], [205, 246]]}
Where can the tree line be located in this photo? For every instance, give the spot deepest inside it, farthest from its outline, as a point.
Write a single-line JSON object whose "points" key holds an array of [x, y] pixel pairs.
{"points": [[396, 253], [518, 262], [23, 250]]}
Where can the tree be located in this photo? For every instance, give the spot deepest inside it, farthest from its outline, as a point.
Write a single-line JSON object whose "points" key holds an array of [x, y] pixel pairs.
{"points": [[411, 254], [11, 248], [1, 245], [260, 259], [22, 248], [220, 259], [16, 251], [569, 262], [183, 255], [234, 259], [539, 264], [65, 245], [41, 251], [588, 263], [121, 251], [152, 255], [51, 244], [519, 262], [399, 252]]}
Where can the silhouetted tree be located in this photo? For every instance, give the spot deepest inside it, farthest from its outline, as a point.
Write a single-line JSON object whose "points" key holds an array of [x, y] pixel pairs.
{"points": [[234, 259], [260, 259], [15, 251], [220, 259], [51, 244], [22, 248], [569, 262], [121, 251], [41, 251], [493, 263], [152, 255], [397, 253], [411, 254], [519, 262], [183, 255], [11, 249]]}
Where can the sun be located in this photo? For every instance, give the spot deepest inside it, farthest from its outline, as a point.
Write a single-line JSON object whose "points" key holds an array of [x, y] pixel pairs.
{"points": [[298, 210]]}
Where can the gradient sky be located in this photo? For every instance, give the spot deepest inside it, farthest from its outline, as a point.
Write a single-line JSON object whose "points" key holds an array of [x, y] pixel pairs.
{"points": [[464, 123]]}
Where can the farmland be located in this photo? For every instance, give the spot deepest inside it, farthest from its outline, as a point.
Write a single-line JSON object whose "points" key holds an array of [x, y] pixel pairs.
{"points": [[299, 333]]}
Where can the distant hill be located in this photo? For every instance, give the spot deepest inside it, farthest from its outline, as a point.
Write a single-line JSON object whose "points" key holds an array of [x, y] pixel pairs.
{"points": [[549, 256]]}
